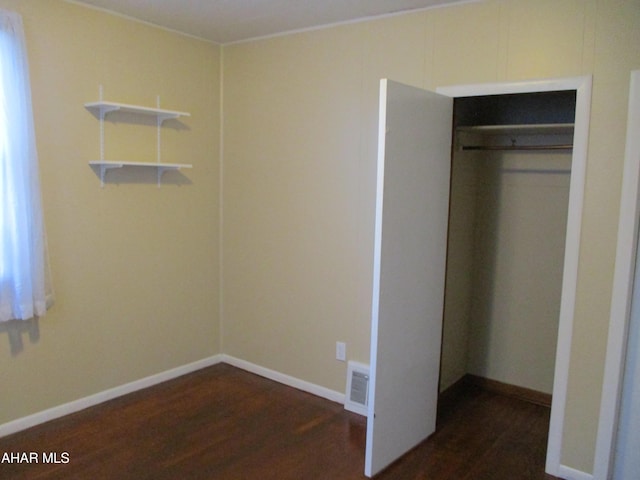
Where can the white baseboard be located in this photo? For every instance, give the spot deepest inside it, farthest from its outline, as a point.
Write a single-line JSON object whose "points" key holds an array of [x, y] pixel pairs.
{"points": [[573, 474], [92, 400], [285, 379]]}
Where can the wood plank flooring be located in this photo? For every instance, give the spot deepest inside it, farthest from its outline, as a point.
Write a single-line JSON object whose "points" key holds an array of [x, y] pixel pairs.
{"points": [[224, 423]]}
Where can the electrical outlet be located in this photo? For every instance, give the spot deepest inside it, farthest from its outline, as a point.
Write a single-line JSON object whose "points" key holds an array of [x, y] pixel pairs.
{"points": [[341, 351]]}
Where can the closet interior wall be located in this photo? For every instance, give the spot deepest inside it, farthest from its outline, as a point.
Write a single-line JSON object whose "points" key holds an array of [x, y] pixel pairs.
{"points": [[507, 226]]}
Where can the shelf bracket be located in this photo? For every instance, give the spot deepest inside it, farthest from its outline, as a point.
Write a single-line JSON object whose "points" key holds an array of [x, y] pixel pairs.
{"points": [[161, 171], [169, 116], [104, 109], [104, 168]]}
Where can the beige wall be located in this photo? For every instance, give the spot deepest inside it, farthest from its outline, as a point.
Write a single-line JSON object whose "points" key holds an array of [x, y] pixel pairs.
{"points": [[519, 254], [135, 267], [300, 160], [504, 266]]}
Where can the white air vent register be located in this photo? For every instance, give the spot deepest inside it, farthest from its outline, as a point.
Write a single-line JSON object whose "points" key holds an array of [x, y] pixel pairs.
{"points": [[356, 399]]}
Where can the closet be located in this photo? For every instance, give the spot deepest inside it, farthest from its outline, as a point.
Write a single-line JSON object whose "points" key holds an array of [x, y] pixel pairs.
{"points": [[510, 177]]}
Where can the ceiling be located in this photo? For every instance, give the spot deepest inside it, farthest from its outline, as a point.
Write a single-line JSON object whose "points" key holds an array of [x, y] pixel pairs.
{"points": [[226, 21]]}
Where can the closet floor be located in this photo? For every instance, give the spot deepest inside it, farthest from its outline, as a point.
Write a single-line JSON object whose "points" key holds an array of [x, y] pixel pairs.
{"points": [[224, 423], [480, 435]]}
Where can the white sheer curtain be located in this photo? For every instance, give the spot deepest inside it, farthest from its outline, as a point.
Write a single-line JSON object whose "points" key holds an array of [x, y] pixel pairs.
{"points": [[23, 280]]}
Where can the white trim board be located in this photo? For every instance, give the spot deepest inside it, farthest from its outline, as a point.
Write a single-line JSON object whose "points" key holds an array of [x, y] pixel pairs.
{"points": [[284, 379], [582, 86], [101, 397], [80, 3], [369, 18], [573, 474]]}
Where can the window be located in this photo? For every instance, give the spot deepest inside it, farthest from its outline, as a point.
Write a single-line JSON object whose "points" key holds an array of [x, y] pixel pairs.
{"points": [[23, 286]]}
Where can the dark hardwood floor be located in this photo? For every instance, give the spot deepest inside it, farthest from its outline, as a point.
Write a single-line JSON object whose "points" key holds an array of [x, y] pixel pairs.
{"points": [[224, 423]]}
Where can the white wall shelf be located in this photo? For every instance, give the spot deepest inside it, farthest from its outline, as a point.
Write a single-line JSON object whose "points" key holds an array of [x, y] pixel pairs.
{"points": [[106, 165], [103, 108], [106, 107], [520, 129]]}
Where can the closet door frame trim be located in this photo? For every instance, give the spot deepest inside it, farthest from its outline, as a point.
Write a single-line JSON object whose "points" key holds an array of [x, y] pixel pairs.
{"points": [[582, 86]]}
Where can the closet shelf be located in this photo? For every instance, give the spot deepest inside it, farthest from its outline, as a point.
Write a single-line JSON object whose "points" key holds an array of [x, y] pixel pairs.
{"points": [[106, 165], [560, 132], [520, 129], [106, 107], [517, 147]]}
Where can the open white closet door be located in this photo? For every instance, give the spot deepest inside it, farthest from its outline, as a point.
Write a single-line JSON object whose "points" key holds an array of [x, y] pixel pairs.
{"points": [[412, 207]]}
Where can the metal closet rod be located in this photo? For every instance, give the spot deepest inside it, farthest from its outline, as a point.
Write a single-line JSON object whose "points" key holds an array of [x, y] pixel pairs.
{"points": [[518, 147]]}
